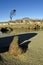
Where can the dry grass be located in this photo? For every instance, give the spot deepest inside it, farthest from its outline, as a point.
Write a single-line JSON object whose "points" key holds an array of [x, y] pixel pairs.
{"points": [[33, 56], [14, 48]]}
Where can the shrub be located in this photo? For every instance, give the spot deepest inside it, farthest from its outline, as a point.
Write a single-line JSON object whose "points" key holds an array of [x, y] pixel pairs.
{"points": [[36, 27]]}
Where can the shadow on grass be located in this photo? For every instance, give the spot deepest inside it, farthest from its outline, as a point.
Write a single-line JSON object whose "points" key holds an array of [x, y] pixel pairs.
{"points": [[23, 41], [5, 43]]}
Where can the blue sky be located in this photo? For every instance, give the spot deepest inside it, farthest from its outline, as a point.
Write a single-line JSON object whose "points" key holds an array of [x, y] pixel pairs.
{"points": [[24, 8]]}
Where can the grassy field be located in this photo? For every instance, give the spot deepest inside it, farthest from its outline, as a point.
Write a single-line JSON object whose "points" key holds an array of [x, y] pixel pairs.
{"points": [[33, 55]]}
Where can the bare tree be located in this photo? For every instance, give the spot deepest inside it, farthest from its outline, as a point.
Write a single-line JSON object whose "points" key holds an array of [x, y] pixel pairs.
{"points": [[12, 13]]}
